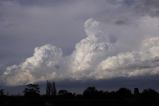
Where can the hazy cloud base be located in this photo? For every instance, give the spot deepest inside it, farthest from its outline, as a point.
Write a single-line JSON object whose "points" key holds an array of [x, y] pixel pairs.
{"points": [[122, 41]]}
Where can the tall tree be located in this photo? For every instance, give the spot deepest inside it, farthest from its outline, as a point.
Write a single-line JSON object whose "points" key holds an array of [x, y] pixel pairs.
{"points": [[53, 89], [50, 89], [136, 91], [2, 92]]}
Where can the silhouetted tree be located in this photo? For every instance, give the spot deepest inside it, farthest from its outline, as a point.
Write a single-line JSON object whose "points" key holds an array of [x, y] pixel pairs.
{"points": [[136, 91], [149, 93], [53, 91], [50, 89], [2, 92], [90, 92], [65, 93], [32, 90], [123, 92], [62, 92], [91, 96]]}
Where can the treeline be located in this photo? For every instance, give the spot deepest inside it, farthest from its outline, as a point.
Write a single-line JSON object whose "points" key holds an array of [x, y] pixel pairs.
{"points": [[90, 96]]}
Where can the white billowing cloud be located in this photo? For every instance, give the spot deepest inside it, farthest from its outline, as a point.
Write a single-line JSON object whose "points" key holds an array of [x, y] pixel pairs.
{"points": [[48, 63], [91, 59], [89, 51], [136, 63], [149, 43], [92, 27], [43, 65]]}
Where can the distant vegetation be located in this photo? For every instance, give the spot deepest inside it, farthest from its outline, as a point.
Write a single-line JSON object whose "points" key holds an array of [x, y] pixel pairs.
{"points": [[90, 96]]}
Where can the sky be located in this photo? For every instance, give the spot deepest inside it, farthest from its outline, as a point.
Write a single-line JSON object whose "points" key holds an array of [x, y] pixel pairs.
{"points": [[79, 40]]}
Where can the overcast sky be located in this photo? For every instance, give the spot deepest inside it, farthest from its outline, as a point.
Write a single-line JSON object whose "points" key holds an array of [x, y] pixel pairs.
{"points": [[78, 40]]}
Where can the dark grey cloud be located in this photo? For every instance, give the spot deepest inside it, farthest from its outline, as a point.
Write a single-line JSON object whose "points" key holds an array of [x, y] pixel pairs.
{"points": [[146, 7], [25, 27], [107, 85], [125, 24], [26, 24]]}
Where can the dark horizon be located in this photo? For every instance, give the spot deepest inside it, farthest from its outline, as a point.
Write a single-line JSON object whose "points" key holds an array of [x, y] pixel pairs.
{"points": [[109, 85], [90, 96]]}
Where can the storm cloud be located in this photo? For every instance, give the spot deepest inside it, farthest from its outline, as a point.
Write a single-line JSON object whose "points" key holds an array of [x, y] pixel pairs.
{"points": [[121, 39]]}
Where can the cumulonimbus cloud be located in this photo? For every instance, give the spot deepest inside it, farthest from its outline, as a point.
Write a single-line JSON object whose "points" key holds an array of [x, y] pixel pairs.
{"points": [[91, 59], [39, 67], [135, 63]]}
